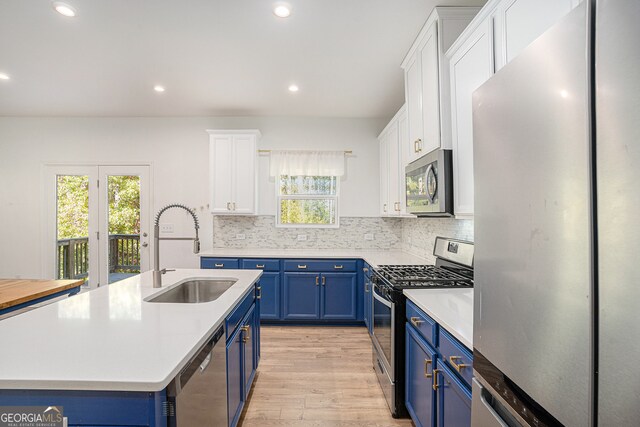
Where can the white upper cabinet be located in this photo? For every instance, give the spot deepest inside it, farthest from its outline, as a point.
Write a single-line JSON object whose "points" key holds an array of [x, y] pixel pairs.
{"points": [[499, 32], [519, 22], [471, 63], [392, 200], [233, 184], [427, 80]]}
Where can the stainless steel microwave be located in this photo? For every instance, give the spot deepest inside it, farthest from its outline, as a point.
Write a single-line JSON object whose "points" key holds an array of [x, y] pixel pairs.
{"points": [[429, 185]]}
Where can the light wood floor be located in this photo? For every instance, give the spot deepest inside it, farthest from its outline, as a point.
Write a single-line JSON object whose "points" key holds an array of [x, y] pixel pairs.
{"points": [[316, 376]]}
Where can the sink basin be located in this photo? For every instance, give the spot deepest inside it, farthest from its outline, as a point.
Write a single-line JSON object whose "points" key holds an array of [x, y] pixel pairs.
{"points": [[195, 291]]}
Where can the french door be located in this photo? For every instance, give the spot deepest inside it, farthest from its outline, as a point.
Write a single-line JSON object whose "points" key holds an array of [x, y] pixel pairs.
{"points": [[97, 222]]}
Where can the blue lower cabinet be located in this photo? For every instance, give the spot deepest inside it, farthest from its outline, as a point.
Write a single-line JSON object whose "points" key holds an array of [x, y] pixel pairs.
{"points": [[270, 296], [301, 299], [235, 395], [421, 361], [454, 400], [249, 341], [339, 296]]}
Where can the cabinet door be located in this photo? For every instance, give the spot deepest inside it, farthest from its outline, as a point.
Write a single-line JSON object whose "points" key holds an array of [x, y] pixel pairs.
{"points": [[519, 22], [384, 175], [414, 106], [403, 147], [221, 154], [470, 67], [420, 398], [244, 174], [454, 400], [430, 77], [301, 296], [234, 378], [270, 296], [339, 301], [393, 150], [249, 359]]}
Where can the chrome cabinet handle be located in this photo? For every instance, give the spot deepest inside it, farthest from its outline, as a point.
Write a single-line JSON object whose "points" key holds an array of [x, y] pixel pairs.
{"points": [[259, 292], [324, 280], [233, 206], [415, 321], [366, 287], [259, 265], [365, 269], [427, 363], [457, 366], [219, 265], [396, 206], [228, 206], [384, 209], [302, 267], [338, 267], [317, 280]]}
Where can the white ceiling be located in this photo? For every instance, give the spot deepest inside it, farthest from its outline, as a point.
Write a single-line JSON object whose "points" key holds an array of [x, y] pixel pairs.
{"points": [[214, 57]]}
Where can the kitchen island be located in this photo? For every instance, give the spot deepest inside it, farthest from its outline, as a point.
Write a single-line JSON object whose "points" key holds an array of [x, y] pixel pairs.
{"points": [[107, 356], [16, 294]]}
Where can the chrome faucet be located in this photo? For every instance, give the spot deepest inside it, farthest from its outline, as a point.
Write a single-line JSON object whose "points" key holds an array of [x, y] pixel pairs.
{"points": [[157, 273]]}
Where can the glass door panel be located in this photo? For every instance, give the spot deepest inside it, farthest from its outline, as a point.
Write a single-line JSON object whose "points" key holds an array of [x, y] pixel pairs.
{"points": [[123, 213], [72, 227]]}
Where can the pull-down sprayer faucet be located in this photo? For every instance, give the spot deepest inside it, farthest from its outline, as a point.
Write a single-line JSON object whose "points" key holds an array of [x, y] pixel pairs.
{"points": [[157, 273]]}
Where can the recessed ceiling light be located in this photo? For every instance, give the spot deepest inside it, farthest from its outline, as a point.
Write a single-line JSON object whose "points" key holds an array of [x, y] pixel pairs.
{"points": [[282, 11], [158, 88], [64, 9], [564, 93], [293, 88], [4, 76]]}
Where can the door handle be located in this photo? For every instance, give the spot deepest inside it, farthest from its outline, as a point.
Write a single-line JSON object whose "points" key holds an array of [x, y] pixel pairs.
{"points": [[415, 321], [457, 366], [317, 280], [258, 292], [427, 363], [324, 280]]}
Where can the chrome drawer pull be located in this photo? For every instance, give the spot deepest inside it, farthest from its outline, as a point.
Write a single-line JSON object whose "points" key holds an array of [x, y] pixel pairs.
{"points": [[302, 267], [457, 366], [416, 321], [219, 265], [259, 265], [338, 267], [258, 292]]}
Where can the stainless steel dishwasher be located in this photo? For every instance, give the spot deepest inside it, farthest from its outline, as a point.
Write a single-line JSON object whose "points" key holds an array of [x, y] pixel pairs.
{"points": [[198, 394]]}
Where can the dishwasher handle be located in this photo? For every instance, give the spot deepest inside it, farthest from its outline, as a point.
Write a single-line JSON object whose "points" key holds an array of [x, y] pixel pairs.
{"points": [[198, 364]]}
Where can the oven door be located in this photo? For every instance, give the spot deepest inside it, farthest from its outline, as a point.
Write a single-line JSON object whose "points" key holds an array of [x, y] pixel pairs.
{"points": [[383, 327]]}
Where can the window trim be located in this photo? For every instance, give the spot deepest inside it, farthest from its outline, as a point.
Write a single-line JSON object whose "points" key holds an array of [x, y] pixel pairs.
{"points": [[281, 197]]}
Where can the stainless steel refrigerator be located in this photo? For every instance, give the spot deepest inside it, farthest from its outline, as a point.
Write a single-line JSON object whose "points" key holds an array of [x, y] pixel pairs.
{"points": [[557, 227]]}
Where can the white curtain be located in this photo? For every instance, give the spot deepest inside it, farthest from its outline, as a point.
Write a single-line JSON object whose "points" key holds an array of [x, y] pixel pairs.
{"points": [[307, 163]]}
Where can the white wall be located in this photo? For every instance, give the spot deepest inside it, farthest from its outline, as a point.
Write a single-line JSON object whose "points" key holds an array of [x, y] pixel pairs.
{"points": [[177, 148]]}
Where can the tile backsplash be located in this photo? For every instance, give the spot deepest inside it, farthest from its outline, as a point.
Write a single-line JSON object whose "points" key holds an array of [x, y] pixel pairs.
{"points": [[261, 232], [419, 234], [414, 235]]}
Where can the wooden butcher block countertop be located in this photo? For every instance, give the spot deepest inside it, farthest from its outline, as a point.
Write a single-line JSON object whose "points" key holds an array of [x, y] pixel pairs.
{"points": [[18, 291]]}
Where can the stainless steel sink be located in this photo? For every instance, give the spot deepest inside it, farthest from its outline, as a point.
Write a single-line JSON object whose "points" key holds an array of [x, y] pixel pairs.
{"points": [[195, 291]]}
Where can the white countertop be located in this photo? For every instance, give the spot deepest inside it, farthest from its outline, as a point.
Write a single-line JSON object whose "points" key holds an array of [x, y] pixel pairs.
{"points": [[373, 257], [451, 308], [110, 338]]}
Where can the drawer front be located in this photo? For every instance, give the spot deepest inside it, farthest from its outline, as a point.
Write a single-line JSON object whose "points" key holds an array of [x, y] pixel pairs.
{"points": [[261, 264], [235, 317], [220, 263], [423, 323], [320, 265], [457, 356]]}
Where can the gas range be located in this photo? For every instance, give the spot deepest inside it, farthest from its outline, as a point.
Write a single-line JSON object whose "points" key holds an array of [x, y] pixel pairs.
{"points": [[425, 276], [453, 269]]}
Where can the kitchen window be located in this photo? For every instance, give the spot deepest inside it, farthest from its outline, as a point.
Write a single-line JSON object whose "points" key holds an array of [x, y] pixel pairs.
{"points": [[307, 187], [307, 201]]}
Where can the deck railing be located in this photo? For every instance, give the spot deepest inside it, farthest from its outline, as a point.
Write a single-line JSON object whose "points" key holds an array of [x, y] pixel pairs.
{"points": [[73, 256]]}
